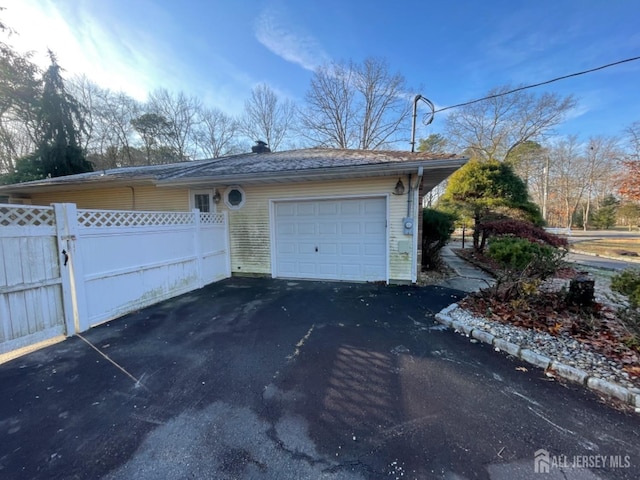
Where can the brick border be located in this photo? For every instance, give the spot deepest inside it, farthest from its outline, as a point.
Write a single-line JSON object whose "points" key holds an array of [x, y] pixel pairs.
{"points": [[629, 396]]}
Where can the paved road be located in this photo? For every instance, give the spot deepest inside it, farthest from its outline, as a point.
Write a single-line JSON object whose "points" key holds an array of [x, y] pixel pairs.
{"points": [[599, 262], [266, 379]]}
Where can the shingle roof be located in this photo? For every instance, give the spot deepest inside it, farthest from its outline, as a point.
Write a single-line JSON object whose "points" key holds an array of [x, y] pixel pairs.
{"points": [[259, 165], [300, 160]]}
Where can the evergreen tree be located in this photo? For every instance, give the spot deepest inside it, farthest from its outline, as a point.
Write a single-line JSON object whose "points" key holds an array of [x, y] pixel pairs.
{"points": [[605, 216], [487, 190], [60, 124]]}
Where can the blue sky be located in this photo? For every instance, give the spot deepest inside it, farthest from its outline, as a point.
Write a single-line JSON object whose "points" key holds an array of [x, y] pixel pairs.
{"points": [[449, 51]]}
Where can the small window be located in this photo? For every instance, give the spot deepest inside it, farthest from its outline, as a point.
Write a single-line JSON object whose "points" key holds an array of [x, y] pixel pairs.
{"points": [[202, 202], [234, 197]]}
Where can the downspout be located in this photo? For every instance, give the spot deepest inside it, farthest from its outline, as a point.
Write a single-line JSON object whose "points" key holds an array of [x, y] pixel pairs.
{"points": [[414, 262], [133, 197]]}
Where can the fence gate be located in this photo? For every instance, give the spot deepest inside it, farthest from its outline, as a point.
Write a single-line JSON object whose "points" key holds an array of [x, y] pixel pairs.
{"points": [[32, 306], [64, 270]]}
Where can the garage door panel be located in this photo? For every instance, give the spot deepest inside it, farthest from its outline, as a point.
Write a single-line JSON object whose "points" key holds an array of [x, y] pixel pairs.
{"points": [[373, 249], [375, 228], [306, 248], [286, 248], [328, 270], [285, 210], [373, 207], [327, 228], [331, 239], [287, 228], [287, 268], [328, 248], [351, 270], [328, 208], [303, 209], [307, 228], [350, 249], [350, 207], [372, 272], [307, 268], [350, 228]]}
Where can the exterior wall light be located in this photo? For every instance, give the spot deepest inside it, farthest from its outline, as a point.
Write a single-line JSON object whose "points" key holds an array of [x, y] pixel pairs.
{"points": [[399, 190]]}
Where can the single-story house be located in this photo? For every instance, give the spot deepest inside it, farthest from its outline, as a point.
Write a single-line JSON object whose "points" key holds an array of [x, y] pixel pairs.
{"points": [[329, 214]]}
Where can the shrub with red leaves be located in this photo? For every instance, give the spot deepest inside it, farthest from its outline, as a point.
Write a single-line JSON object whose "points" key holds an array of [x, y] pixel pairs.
{"points": [[521, 229]]}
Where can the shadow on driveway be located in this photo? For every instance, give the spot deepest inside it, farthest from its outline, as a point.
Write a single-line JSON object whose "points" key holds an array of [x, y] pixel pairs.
{"points": [[272, 379]]}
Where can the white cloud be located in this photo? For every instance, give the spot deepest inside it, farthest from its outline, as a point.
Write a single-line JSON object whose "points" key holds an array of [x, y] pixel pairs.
{"points": [[291, 43]]}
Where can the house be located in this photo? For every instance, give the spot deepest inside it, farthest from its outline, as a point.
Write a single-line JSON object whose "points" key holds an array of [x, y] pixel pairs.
{"points": [[325, 214]]}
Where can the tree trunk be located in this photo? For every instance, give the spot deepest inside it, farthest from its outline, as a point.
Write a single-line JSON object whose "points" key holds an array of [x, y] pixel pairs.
{"points": [[585, 219], [476, 232]]}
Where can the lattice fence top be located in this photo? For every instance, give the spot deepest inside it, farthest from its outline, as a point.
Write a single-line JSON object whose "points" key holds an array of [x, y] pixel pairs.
{"points": [[116, 218], [212, 218], [27, 216]]}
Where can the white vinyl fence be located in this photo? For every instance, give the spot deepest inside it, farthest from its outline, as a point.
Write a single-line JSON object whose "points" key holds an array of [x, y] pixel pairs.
{"points": [[31, 290], [63, 270]]}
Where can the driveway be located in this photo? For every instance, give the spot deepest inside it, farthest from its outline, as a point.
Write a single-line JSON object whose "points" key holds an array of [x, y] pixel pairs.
{"points": [[267, 379]]}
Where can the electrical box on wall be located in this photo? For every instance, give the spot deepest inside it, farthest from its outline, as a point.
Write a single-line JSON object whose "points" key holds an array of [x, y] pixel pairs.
{"points": [[407, 225]]}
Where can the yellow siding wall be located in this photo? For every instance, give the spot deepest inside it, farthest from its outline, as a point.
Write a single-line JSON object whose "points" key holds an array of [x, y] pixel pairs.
{"points": [[249, 226], [145, 197]]}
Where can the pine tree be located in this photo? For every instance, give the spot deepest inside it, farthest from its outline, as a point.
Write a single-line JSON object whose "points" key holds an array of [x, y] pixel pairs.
{"points": [[60, 124]]}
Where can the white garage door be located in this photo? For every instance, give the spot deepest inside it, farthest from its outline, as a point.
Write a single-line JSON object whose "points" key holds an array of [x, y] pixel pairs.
{"points": [[342, 239]]}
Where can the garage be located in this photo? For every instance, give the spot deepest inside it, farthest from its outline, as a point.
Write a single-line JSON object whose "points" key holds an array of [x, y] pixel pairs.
{"points": [[333, 239]]}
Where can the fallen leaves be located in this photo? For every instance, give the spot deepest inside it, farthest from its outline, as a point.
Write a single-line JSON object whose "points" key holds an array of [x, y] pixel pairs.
{"points": [[596, 328]]}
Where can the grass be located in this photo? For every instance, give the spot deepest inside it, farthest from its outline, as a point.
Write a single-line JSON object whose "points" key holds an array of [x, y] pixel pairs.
{"points": [[623, 248]]}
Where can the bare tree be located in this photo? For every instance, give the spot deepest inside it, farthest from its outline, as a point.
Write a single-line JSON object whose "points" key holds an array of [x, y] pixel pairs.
{"points": [[494, 127], [632, 133], [110, 133], [182, 114], [570, 177], [267, 117], [117, 111], [600, 165], [217, 133], [351, 105]]}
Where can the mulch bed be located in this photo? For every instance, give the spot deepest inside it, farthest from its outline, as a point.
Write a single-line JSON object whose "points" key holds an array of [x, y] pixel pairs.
{"points": [[597, 327]]}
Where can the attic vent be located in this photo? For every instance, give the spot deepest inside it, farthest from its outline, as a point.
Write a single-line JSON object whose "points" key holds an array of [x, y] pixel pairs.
{"points": [[260, 147]]}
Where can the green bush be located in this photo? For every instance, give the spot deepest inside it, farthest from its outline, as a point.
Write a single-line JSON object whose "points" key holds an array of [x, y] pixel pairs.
{"points": [[437, 228], [525, 265], [628, 283], [517, 253]]}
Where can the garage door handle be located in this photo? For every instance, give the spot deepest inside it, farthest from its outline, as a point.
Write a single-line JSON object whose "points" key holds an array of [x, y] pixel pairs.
{"points": [[316, 249]]}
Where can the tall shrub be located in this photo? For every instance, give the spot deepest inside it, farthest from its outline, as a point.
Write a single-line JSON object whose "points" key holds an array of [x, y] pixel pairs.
{"points": [[437, 228]]}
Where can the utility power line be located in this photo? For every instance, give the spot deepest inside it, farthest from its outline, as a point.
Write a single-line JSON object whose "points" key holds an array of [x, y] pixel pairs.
{"points": [[584, 72]]}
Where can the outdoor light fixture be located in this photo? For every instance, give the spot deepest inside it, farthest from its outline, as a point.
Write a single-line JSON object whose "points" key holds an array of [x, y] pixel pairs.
{"points": [[399, 190], [217, 196]]}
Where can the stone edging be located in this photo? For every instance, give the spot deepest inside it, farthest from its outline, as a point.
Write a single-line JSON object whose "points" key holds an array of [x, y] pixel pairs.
{"points": [[567, 372]]}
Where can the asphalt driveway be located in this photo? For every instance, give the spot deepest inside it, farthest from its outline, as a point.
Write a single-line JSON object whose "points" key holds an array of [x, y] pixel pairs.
{"points": [[266, 379]]}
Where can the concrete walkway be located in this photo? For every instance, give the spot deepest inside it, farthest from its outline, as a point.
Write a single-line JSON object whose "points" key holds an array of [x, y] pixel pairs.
{"points": [[468, 278]]}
